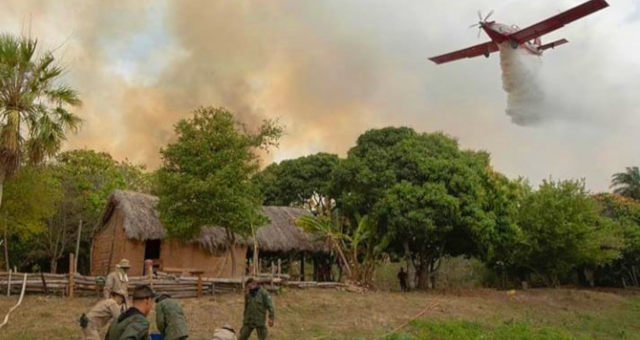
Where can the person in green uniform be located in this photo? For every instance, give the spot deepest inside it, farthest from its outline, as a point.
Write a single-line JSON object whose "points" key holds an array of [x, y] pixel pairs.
{"points": [[257, 303], [133, 324], [170, 318]]}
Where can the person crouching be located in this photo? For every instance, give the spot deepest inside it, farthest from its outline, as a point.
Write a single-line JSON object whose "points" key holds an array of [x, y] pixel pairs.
{"points": [[133, 324], [101, 314], [170, 318]]}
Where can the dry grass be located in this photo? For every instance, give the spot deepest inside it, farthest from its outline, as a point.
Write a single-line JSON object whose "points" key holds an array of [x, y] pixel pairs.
{"points": [[330, 314]]}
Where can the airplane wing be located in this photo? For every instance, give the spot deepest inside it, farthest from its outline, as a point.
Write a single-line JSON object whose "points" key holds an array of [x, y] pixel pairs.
{"points": [[558, 21], [469, 52], [553, 44]]}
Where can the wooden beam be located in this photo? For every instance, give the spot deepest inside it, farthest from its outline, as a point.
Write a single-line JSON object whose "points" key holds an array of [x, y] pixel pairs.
{"points": [[72, 273], [301, 266]]}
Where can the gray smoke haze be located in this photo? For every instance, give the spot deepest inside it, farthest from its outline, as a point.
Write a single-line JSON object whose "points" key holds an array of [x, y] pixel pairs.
{"points": [[330, 70]]}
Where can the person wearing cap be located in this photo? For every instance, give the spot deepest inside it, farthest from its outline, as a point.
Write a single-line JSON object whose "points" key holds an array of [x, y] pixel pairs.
{"points": [[257, 303], [170, 318], [101, 314], [118, 279], [133, 324], [225, 332]]}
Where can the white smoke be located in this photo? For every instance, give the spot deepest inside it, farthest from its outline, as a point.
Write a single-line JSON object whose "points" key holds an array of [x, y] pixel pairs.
{"points": [[520, 79]]}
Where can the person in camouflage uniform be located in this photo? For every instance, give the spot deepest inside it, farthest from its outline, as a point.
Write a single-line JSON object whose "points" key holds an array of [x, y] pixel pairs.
{"points": [[133, 324], [117, 280], [257, 303], [101, 314], [170, 318]]}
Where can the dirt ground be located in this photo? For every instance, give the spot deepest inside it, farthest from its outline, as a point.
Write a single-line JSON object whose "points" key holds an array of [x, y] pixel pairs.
{"points": [[332, 314]]}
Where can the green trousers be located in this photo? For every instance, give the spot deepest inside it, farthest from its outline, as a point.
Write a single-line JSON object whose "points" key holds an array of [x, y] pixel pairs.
{"points": [[246, 330]]}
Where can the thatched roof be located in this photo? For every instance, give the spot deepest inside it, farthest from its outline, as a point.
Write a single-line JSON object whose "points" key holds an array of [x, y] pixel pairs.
{"points": [[141, 222]]}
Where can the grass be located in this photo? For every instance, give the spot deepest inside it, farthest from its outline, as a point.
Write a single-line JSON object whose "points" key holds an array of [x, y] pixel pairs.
{"points": [[331, 314], [472, 330]]}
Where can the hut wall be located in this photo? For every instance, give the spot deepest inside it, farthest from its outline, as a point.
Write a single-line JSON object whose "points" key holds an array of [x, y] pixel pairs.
{"points": [[133, 250], [104, 246], [111, 245], [177, 254]]}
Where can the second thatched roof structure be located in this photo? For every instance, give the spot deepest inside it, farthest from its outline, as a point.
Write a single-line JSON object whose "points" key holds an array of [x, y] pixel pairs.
{"points": [[140, 221]]}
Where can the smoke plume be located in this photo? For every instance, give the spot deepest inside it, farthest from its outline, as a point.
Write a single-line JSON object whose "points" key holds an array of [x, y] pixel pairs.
{"points": [[329, 70], [520, 79]]}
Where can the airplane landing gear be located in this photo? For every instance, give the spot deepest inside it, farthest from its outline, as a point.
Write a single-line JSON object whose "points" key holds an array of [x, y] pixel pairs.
{"points": [[514, 44]]}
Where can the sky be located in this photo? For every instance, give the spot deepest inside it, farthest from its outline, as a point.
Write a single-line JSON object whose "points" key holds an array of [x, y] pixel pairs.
{"points": [[329, 70]]}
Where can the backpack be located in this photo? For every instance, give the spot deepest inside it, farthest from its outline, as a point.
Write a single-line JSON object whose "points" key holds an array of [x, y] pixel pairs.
{"points": [[84, 321]]}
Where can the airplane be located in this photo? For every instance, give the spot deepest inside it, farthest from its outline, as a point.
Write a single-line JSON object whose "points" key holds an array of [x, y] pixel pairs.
{"points": [[528, 38]]}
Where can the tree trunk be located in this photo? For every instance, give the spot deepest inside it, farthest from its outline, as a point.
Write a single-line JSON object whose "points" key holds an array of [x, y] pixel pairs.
{"points": [[343, 258], [256, 255], [411, 268], [75, 265], [6, 245], [53, 264], [423, 273], [232, 244]]}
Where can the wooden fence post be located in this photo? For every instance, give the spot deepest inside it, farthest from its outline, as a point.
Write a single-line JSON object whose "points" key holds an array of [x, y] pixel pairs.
{"points": [[72, 273], [148, 265], [199, 285], [9, 284], [44, 283]]}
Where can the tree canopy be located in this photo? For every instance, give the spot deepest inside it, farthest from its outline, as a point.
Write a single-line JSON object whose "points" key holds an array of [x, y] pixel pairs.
{"points": [[425, 193], [206, 172], [563, 229], [33, 104], [304, 181]]}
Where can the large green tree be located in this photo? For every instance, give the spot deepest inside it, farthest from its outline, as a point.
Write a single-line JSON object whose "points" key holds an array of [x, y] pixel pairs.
{"points": [[625, 270], [32, 199], [627, 183], [87, 178], [501, 248], [34, 115], [425, 193], [564, 230], [205, 178], [304, 181]]}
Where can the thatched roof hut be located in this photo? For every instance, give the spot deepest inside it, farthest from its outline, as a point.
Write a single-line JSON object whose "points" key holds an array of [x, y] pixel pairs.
{"points": [[130, 227]]}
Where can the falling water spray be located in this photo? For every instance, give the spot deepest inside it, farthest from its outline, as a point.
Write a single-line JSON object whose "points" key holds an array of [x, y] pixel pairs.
{"points": [[520, 79]]}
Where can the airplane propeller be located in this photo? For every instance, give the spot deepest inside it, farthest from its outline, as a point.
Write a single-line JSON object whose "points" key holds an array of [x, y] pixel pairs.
{"points": [[482, 21]]}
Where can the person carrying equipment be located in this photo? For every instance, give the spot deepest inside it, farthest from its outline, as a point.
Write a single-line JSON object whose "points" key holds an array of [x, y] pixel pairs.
{"points": [[101, 314], [170, 318]]}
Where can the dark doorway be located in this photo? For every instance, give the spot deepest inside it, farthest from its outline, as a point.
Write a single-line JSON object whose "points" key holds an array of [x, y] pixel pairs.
{"points": [[152, 250]]}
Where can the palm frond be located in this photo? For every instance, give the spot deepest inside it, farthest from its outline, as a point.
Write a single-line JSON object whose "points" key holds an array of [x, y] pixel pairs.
{"points": [[627, 183], [32, 104]]}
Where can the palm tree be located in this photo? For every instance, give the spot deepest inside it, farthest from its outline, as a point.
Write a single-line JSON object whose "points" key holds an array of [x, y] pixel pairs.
{"points": [[627, 183], [33, 105]]}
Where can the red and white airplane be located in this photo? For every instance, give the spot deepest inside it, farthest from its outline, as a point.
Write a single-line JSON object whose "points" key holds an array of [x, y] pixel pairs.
{"points": [[528, 38]]}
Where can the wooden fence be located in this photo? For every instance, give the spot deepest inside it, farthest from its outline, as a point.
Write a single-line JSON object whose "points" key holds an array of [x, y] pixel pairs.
{"points": [[71, 285], [179, 287]]}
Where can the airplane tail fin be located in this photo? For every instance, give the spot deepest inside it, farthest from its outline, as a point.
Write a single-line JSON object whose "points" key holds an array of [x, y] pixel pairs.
{"points": [[553, 44]]}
